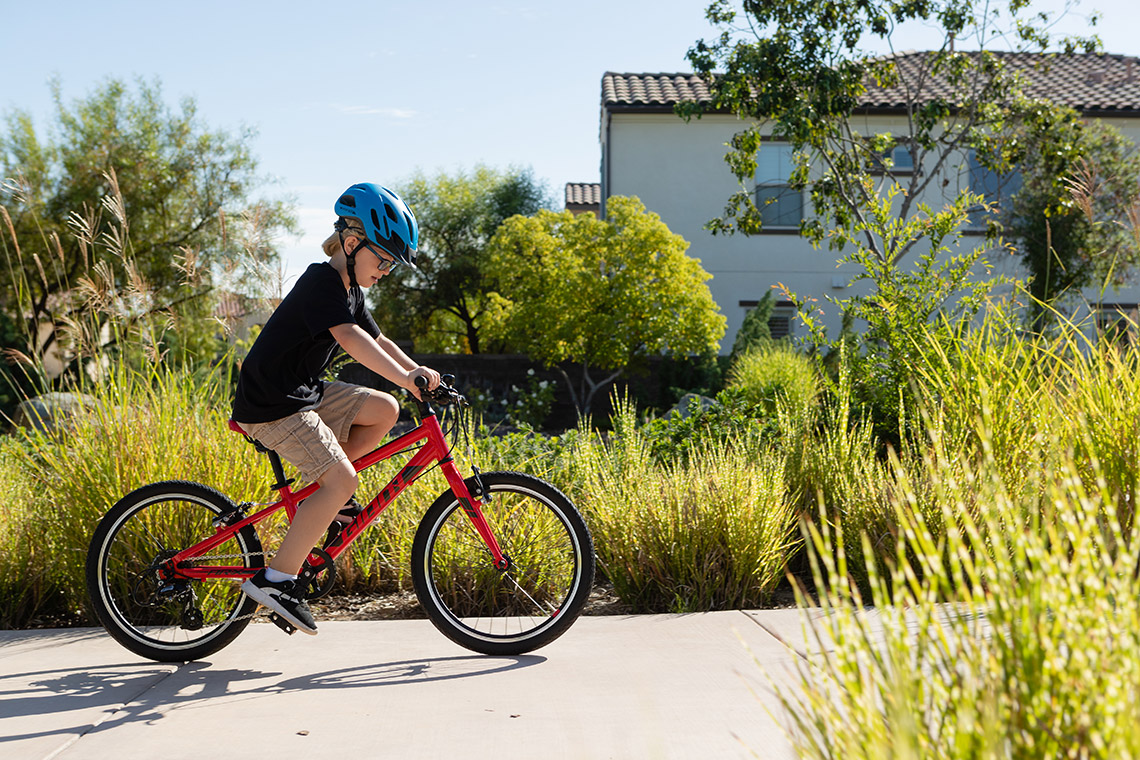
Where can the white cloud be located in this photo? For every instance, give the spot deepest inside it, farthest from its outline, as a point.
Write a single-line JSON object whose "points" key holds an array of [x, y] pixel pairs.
{"points": [[395, 113]]}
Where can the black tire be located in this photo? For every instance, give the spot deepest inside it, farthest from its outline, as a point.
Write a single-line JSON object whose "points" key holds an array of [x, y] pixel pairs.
{"points": [[531, 603], [152, 617]]}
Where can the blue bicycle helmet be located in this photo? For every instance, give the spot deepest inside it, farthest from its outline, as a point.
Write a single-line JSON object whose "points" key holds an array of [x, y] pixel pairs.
{"points": [[387, 220]]}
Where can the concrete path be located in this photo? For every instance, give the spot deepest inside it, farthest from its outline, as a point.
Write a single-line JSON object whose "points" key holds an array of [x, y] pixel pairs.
{"points": [[646, 686]]}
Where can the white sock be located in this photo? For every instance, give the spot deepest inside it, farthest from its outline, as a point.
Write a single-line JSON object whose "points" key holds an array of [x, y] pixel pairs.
{"points": [[276, 576]]}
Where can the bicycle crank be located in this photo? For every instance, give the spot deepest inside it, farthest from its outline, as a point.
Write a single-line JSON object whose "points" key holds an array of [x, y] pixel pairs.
{"points": [[318, 576]]}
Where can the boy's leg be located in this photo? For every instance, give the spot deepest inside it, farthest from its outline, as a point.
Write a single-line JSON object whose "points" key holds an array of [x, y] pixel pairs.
{"points": [[359, 416], [313, 517], [309, 444], [350, 422], [366, 417]]}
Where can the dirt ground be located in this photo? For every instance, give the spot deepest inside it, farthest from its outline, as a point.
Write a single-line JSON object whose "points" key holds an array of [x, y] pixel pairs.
{"points": [[404, 606]]}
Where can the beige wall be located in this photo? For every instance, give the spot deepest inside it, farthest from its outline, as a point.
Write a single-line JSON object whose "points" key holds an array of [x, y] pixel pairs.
{"points": [[677, 169]]}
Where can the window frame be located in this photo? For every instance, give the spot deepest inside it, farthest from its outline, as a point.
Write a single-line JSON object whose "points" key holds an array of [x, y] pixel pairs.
{"points": [[788, 191]]}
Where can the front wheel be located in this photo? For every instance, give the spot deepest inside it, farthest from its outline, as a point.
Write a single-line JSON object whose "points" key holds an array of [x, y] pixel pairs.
{"points": [[141, 600], [504, 611]]}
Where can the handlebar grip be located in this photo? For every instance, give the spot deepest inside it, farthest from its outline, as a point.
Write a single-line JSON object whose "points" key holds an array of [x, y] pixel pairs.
{"points": [[421, 382]]}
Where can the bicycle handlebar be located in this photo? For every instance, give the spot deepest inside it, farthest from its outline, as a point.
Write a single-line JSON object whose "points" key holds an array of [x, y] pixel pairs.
{"points": [[444, 393]]}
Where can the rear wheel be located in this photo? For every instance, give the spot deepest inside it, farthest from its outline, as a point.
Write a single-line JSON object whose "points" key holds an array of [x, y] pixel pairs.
{"points": [[524, 606], [140, 599]]}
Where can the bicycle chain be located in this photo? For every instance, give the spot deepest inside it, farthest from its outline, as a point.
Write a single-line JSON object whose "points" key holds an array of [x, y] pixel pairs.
{"points": [[259, 608]]}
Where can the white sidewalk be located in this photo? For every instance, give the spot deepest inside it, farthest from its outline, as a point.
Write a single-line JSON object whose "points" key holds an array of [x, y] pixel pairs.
{"points": [[646, 686]]}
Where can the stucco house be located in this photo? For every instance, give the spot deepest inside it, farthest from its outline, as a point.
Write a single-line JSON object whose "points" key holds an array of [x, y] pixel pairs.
{"points": [[677, 169]]}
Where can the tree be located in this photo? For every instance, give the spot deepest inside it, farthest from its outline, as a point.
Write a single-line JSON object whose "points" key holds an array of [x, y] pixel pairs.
{"points": [[125, 194], [1063, 248], [798, 72], [601, 294], [754, 332], [441, 305], [895, 201]]}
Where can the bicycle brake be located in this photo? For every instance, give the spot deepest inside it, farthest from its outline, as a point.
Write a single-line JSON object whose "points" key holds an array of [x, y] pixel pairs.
{"points": [[480, 491]]}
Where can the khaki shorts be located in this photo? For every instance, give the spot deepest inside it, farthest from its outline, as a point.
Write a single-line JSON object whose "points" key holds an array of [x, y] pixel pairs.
{"points": [[310, 440]]}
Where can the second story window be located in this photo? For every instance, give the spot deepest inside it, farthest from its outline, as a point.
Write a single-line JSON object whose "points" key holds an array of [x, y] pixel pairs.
{"points": [[781, 207], [993, 187], [897, 160]]}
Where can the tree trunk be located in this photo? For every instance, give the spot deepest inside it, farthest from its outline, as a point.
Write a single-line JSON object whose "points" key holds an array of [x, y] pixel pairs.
{"points": [[583, 396]]}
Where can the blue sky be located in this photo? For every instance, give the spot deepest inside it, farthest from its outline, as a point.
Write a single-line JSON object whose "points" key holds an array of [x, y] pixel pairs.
{"points": [[379, 89]]}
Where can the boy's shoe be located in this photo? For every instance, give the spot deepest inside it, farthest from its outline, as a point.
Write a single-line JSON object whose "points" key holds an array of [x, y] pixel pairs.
{"points": [[283, 599], [351, 511]]}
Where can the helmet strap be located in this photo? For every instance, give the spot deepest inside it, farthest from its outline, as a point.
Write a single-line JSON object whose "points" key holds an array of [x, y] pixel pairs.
{"points": [[349, 258]]}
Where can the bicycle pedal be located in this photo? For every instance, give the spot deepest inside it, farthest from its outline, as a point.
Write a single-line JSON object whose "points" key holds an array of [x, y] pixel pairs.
{"points": [[282, 623]]}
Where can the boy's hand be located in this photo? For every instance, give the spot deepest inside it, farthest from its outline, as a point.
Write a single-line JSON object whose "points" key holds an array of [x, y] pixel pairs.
{"points": [[426, 372]]}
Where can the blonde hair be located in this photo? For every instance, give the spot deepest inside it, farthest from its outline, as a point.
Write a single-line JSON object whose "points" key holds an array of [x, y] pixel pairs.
{"points": [[332, 243]]}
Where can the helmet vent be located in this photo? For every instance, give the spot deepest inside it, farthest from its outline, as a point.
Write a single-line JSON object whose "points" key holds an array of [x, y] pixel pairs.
{"points": [[376, 222], [348, 200], [391, 212]]}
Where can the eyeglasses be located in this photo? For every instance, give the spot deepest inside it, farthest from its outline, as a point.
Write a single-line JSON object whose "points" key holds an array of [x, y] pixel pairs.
{"points": [[386, 265]]}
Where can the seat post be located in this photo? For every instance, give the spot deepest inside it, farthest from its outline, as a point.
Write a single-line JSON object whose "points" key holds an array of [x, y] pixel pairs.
{"points": [[274, 459], [278, 470]]}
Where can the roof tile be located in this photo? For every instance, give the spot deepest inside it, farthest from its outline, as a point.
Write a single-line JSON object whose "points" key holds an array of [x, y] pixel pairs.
{"points": [[1087, 82], [583, 193]]}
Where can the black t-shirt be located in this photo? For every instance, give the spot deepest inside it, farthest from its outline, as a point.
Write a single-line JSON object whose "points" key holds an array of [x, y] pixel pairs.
{"points": [[282, 373]]}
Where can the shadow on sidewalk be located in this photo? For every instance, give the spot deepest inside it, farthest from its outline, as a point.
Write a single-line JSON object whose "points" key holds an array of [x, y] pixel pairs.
{"points": [[144, 693]]}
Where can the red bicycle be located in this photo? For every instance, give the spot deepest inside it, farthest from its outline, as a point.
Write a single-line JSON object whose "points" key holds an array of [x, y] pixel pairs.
{"points": [[502, 562]]}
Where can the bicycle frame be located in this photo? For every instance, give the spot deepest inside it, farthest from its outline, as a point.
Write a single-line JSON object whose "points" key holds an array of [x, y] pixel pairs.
{"points": [[434, 449]]}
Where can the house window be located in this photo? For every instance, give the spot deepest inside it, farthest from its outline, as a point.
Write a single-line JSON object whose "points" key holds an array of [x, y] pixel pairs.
{"points": [[780, 205], [901, 158], [993, 187], [782, 319], [781, 322]]}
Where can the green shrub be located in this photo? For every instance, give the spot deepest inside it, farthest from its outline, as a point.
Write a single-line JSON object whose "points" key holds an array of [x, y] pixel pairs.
{"points": [[729, 422], [754, 332], [765, 376], [713, 531], [29, 579], [1014, 632], [164, 425]]}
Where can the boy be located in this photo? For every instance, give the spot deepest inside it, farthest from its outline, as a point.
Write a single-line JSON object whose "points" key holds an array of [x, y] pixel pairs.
{"points": [[322, 427]]}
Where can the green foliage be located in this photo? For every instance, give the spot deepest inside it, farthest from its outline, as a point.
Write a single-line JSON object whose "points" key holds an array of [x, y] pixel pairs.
{"points": [[711, 533], [754, 332], [767, 377], [730, 421], [601, 294], [1060, 225], [526, 407], [1011, 634], [939, 295], [188, 189], [134, 433], [440, 305], [796, 71]]}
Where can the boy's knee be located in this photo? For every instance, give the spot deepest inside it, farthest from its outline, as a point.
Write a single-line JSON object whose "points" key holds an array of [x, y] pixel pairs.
{"points": [[386, 405], [342, 476]]}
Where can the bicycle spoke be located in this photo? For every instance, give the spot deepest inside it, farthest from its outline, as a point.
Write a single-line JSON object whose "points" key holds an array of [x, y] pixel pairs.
{"points": [[493, 610], [145, 604]]}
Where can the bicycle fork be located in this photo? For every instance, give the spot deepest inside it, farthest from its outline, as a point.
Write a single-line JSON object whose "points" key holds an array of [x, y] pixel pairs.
{"points": [[473, 508]]}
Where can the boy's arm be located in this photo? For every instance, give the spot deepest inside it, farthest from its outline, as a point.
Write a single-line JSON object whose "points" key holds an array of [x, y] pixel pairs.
{"points": [[382, 356], [388, 346]]}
